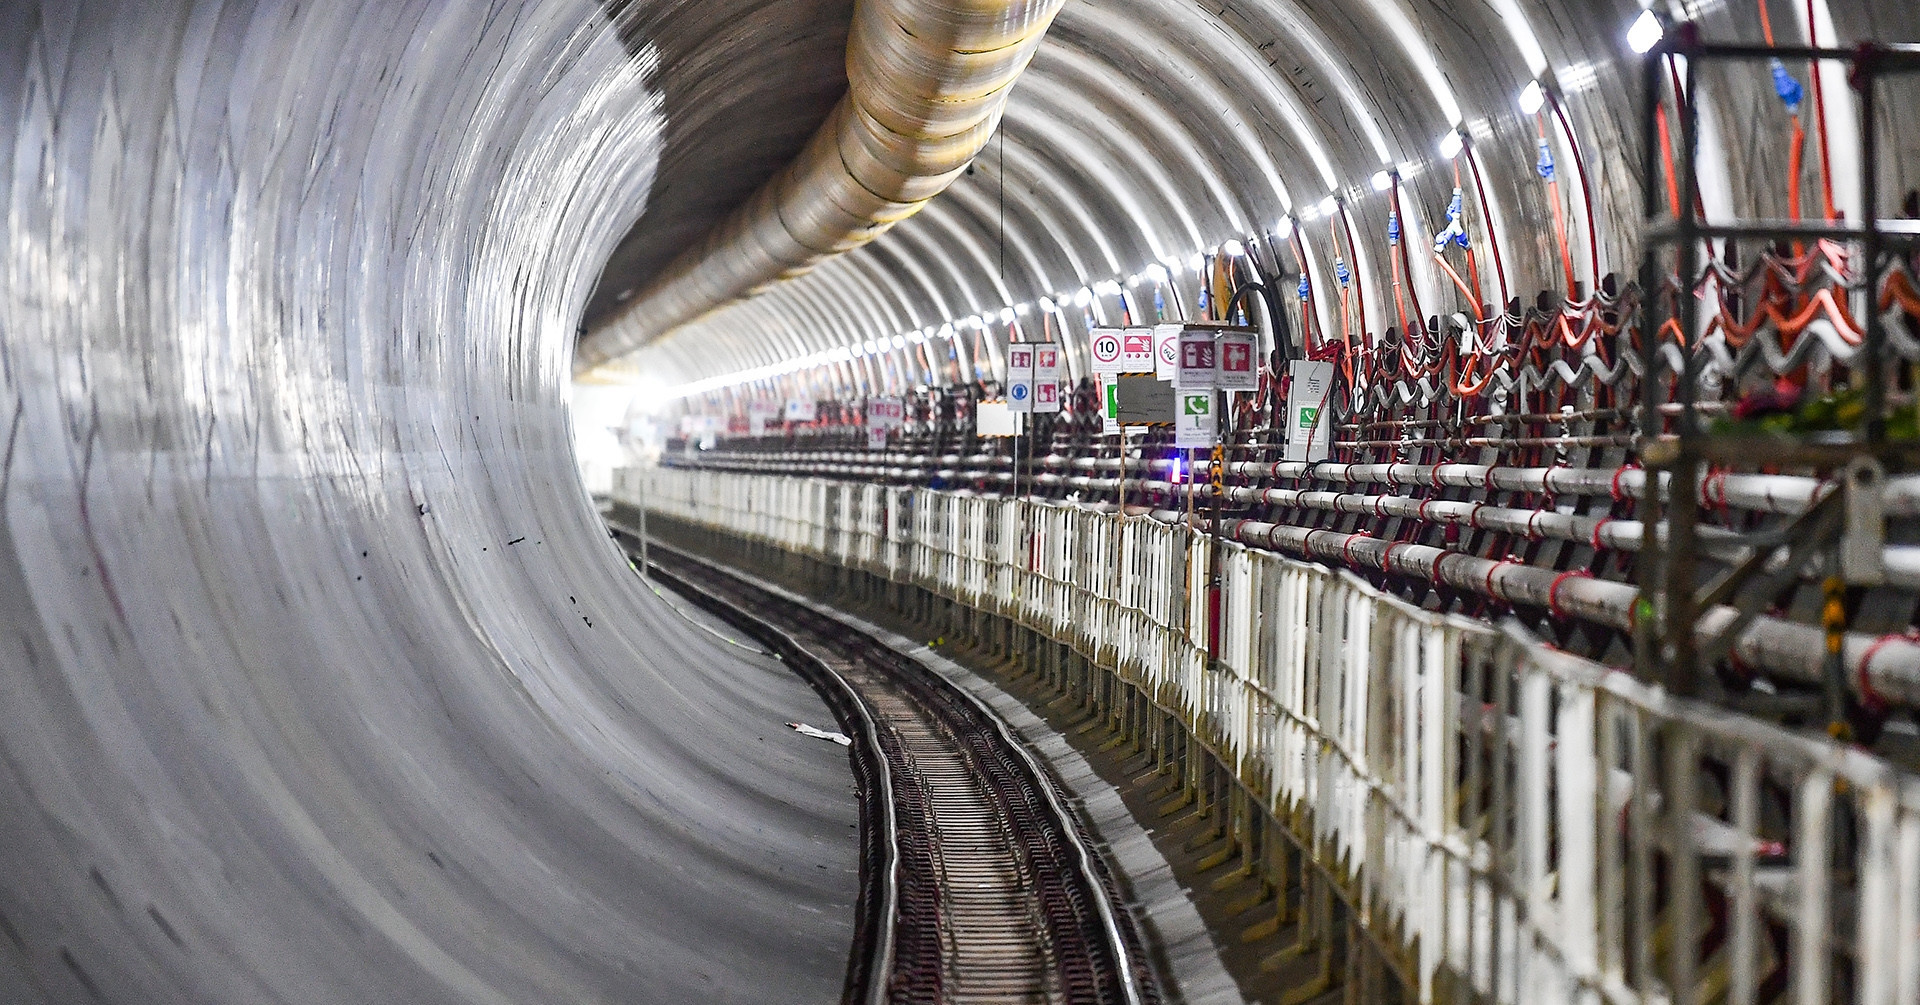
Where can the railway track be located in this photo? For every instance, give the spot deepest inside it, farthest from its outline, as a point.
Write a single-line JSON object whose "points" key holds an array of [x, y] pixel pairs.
{"points": [[978, 886]]}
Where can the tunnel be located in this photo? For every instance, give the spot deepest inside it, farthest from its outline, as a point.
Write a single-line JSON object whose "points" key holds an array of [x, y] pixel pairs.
{"points": [[465, 458]]}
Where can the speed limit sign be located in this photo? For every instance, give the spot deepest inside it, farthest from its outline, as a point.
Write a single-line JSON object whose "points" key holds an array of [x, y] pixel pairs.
{"points": [[1106, 350]]}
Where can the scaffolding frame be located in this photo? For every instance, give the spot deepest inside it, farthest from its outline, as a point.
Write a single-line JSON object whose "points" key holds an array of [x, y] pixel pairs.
{"points": [[1672, 599]]}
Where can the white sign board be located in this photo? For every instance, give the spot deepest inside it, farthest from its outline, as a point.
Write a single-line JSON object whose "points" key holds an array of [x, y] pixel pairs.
{"points": [[1198, 359], [762, 415], [1136, 351], [800, 411], [1195, 425], [1166, 350], [994, 418], [1239, 368], [1309, 425], [1106, 344], [887, 413], [1020, 377], [1046, 377], [883, 416], [1109, 404]]}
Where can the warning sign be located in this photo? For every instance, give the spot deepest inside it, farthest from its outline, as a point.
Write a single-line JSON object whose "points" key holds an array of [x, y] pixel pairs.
{"points": [[1106, 350], [1020, 377], [1238, 370], [1198, 358], [1136, 350], [1046, 377], [883, 416], [1166, 350]]}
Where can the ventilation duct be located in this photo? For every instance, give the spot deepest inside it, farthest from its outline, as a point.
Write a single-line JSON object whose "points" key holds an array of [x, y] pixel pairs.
{"points": [[927, 81]]}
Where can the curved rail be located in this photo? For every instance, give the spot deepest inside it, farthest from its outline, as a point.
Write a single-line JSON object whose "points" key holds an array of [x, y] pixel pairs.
{"points": [[763, 612], [1109, 922], [873, 958]]}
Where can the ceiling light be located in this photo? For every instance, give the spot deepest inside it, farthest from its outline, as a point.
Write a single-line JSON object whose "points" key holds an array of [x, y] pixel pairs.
{"points": [[1197, 262], [1284, 229], [1046, 303], [1532, 97], [1645, 33], [1006, 315], [1083, 298], [1133, 280], [1309, 213], [1450, 144], [899, 341], [1328, 206], [1156, 272], [1234, 249], [1172, 262], [1021, 308], [1382, 181]]}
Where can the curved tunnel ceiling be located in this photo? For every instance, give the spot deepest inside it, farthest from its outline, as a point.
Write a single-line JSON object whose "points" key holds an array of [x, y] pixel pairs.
{"points": [[746, 85], [319, 678], [1148, 130]]}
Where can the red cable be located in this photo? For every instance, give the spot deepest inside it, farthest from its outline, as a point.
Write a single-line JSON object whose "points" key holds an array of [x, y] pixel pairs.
{"points": [[1666, 156], [1820, 119], [1493, 239], [1559, 214], [1586, 192]]}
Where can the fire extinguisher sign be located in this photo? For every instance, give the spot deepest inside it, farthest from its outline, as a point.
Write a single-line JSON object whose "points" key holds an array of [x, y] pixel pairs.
{"points": [[1237, 358]]}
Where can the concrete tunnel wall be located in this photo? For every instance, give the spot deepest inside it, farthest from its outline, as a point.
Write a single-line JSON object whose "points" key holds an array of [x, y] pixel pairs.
{"points": [[1148, 131], [320, 680]]}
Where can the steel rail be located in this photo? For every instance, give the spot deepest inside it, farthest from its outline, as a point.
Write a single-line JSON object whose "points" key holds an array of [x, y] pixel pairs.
{"points": [[880, 890], [766, 599]]}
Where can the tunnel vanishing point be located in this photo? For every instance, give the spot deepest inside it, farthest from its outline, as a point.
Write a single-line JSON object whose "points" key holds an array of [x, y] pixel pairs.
{"points": [[960, 501]]}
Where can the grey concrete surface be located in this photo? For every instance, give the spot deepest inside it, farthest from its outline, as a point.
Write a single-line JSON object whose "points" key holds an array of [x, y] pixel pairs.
{"points": [[319, 679]]}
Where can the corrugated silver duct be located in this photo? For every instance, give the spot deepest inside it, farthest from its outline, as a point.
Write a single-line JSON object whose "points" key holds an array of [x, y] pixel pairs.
{"points": [[927, 82]]}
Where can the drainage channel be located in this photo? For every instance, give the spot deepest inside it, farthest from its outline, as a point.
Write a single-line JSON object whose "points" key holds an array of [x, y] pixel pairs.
{"points": [[993, 894]]}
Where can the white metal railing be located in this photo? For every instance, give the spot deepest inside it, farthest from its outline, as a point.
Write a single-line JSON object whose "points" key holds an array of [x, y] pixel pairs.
{"points": [[1538, 826]]}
